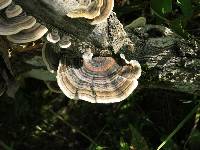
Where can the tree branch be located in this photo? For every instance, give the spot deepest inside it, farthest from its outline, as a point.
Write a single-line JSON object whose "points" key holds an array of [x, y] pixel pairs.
{"points": [[168, 61]]}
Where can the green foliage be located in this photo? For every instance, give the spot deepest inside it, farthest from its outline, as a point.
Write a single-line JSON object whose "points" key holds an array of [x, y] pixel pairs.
{"points": [[178, 20], [123, 144], [162, 7], [186, 7]]}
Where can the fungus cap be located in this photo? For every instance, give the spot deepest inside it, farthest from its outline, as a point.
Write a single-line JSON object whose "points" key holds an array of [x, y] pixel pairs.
{"points": [[87, 56], [97, 11], [53, 36], [13, 11], [105, 11], [98, 80], [89, 11], [16, 24], [84, 2], [28, 35], [5, 3], [65, 42]]}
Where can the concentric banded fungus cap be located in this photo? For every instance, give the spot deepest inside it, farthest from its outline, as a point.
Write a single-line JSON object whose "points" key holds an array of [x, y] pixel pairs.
{"points": [[89, 11], [53, 36], [65, 42], [28, 35], [15, 25], [4, 3], [13, 10], [98, 80], [97, 11], [105, 11]]}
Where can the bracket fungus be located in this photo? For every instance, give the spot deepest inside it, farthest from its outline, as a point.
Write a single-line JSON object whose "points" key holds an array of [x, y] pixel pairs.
{"points": [[15, 25], [65, 42], [89, 11], [106, 9], [28, 35], [98, 80], [13, 11], [5, 3], [97, 11], [53, 36]]}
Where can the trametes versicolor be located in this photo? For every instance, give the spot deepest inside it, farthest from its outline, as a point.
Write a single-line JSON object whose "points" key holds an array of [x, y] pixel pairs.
{"points": [[93, 79]]}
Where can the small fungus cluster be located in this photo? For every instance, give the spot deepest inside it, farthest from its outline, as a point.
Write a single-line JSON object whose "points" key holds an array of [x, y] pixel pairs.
{"points": [[96, 79], [17, 26]]}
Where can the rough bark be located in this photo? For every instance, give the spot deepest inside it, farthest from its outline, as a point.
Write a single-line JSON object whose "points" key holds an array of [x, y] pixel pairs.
{"points": [[168, 61]]}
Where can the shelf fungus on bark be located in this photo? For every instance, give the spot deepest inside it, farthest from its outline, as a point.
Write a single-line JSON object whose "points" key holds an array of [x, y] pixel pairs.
{"points": [[16, 24], [13, 11], [106, 9], [96, 11], [98, 79], [65, 42], [88, 9], [53, 36], [28, 35], [5, 3]]}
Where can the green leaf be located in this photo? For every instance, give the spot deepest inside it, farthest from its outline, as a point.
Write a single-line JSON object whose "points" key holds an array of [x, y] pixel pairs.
{"points": [[186, 7], [161, 6], [99, 148], [123, 144]]}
